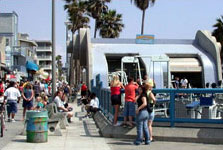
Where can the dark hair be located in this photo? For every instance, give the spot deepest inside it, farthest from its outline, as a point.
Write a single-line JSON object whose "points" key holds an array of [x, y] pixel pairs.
{"points": [[11, 84], [207, 85], [143, 89], [213, 85], [56, 93], [93, 95], [130, 79]]}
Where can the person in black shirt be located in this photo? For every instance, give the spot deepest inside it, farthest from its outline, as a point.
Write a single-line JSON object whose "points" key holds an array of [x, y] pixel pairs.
{"points": [[142, 116]]}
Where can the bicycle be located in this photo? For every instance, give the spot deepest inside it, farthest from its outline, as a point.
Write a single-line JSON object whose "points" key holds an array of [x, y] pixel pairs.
{"points": [[2, 118]]}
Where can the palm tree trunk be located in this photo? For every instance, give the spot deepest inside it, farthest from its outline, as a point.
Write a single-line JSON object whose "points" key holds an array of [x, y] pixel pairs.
{"points": [[72, 63], [95, 28], [143, 18]]}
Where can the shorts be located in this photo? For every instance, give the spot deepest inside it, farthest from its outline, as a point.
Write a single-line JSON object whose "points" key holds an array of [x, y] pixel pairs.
{"points": [[83, 93], [129, 109], [27, 104], [116, 99], [151, 116], [12, 106]]}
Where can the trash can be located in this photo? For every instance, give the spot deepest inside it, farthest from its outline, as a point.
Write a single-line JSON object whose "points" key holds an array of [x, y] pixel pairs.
{"points": [[37, 126]]}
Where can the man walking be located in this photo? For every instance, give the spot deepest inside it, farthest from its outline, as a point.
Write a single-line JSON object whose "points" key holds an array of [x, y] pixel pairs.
{"points": [[12, 95]]}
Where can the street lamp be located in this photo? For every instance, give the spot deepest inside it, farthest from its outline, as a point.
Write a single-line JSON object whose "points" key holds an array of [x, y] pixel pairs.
{"points": [[53, 49]]}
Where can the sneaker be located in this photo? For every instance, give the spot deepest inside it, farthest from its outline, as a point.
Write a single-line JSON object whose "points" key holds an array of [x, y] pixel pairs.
{"points": [[117, 124], [136, 143], [13, 120], [9, 120]]}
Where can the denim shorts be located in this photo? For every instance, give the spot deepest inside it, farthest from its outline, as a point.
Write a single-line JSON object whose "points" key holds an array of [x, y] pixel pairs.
{"points": [[27, 104], [151, 116], [129, 109], [11, 106]]}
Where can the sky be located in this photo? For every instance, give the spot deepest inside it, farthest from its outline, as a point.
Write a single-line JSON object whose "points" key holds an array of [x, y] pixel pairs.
{"points": [[167, 19]]}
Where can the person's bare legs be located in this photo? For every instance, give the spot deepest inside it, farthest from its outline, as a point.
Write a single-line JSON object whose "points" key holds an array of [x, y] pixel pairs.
{"points": [[150, 122], [130, 121], [13, 115], [24, 113], [116, 113]]}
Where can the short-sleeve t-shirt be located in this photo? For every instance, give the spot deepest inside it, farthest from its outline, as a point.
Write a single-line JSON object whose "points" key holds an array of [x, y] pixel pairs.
{"points": [[12, 94], [58, 102], [94, 103], [130, 93]]}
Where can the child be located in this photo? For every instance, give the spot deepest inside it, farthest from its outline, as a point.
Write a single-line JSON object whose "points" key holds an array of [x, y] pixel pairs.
{"points": [[40, 104], [45, 100]]}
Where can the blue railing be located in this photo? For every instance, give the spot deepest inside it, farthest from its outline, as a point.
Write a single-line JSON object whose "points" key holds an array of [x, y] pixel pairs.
{"points": [[175, 107]]}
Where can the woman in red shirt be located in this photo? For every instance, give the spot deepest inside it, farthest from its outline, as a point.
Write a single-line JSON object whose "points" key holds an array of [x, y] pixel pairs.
{"points": [[116, 86]]}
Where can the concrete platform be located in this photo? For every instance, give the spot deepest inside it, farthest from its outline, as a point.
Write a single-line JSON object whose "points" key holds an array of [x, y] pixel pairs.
{"points": [[176, 134]]}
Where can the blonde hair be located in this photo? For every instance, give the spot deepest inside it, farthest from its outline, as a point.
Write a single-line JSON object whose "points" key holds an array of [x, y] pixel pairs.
{"points": [[149, 84], [39, 98], [115, 81]]}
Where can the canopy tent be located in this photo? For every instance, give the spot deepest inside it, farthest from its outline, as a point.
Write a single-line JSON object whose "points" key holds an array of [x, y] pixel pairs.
{"points": [[31, 66]]}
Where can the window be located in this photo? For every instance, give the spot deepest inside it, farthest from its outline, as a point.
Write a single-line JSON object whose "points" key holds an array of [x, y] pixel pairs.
{"points": [[7, 42]]}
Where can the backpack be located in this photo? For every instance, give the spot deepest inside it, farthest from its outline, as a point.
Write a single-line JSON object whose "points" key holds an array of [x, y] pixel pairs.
{"points": [[149, 105]]}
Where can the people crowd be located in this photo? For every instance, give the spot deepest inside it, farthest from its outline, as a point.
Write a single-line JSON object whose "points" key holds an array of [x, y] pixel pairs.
{"points": [[144, 113], [34, 96]]}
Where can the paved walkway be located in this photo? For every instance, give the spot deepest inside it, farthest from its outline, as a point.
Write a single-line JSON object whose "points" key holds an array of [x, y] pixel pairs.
{"points": [[81, 134], [12, 128]]}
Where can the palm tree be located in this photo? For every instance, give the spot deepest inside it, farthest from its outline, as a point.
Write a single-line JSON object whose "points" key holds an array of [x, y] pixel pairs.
{"points": [[95, 9], [218, 32], [77, 14], [59, 66], [78, 18], [143, 5], [110, 24]]}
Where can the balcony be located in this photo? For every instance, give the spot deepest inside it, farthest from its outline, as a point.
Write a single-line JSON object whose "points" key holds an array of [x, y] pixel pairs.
{"points": [[44, 57], [44, 49], [46, 67]]}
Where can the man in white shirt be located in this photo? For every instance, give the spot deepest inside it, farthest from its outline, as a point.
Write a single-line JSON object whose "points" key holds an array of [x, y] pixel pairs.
{"points": [[12, 95], [184, 83], [94, 104], [60, 105]]}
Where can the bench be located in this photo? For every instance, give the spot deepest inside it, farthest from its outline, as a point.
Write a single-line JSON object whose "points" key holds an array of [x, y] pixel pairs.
{"points": [[56, 117], [162, 105], [195, 108]]}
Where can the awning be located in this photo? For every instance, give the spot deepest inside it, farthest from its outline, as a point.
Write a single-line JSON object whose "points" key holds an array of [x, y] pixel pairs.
{"points": [[31, 66], [185, 65]]}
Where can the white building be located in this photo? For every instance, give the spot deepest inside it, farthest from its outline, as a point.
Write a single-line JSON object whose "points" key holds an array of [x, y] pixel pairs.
{"points": [[197, 59], [44, 55]]}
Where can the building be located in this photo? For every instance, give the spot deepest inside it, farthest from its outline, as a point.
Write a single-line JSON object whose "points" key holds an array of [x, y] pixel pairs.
{"points": [[24, 54], [2, 56], [44, 55], [197, 59], [9, 30]]}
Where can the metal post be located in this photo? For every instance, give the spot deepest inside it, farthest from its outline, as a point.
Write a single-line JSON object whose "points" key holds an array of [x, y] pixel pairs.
{"points": [[53, 49]]}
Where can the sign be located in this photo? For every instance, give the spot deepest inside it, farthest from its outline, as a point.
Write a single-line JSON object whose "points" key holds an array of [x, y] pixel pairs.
{"points": [[144, 39]]}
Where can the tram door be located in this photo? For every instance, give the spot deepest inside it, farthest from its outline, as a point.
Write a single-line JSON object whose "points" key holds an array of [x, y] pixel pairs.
{"points": [[132, 68]]}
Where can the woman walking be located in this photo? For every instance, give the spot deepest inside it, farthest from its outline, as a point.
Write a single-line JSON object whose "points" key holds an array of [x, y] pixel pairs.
{"points": [[116, 86], [151, 100], [142, 116]]}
